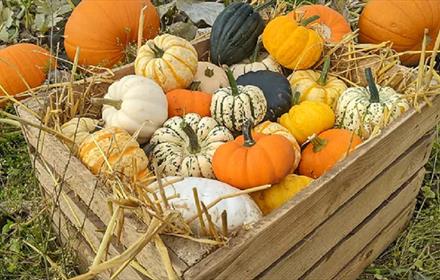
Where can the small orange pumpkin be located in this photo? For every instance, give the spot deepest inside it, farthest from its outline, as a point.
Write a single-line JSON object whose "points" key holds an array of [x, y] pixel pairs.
{"points": [[331, 25], [251, 159], [183, 101], [325, 150]]}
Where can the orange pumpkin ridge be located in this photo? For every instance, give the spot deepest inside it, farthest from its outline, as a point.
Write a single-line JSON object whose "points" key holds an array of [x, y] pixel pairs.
{"points": [[253, 159]]}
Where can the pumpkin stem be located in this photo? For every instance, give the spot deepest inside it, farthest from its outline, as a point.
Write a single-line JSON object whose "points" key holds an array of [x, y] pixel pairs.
{"points": [[247, 133], [324, 73], [194, 146], [264, 5], [232, 82], [374, 92], [308, 20], [318, 143], [195, 86], [209, 72], [158, 52], [296, 96], [256, 51], [107, 101]]}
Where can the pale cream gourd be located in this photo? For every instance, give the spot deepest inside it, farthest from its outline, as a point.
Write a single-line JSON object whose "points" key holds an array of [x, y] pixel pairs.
{"points": [[267, 63], [210, 77], [78, 129]]}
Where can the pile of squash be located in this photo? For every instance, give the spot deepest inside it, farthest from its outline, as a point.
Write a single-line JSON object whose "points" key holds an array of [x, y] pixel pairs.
{"points": [[238, 120]]}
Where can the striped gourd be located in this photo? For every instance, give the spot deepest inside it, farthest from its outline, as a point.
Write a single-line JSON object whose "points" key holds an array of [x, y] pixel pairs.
{"points": [[113, 150], [268, 63], [317, 86], [184, 146], [367, 110], [233, 105]]}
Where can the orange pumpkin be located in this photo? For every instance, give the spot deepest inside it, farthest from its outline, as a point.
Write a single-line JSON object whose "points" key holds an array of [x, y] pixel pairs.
{"points": [[104, 29], [325, 150], [251, 159], [183, 101], [401, 22], [23, 64], [331, 25]]}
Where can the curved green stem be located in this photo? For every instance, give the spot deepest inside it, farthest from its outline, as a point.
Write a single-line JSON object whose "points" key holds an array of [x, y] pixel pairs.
{"points": [[195, 86], [247, 134], [318, 144], [324, 73], [232, 82], [308, 20], [107, 101], [374, 92], [194, 146], [296, 96], [256, 51], [158, 52]]}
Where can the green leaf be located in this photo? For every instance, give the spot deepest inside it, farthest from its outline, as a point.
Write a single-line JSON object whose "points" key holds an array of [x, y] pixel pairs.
{"points": [[427, 192]]}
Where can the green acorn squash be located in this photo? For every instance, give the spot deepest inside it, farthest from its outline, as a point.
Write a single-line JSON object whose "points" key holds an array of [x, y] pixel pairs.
{"points": [[235, 34], [276, 89]]}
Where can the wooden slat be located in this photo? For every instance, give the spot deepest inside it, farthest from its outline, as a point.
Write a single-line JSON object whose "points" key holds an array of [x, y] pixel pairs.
{"points": [[376, 247], [335, 260], [273, 234], [305, 254], [71, 208]]}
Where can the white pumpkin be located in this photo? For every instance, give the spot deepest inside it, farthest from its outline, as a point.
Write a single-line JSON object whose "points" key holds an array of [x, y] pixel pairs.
{"points": [[210, 77], [78, 129], [233, 105], [134, 104], [241, 210], [268, 63], [368, 110], [184, 146]]}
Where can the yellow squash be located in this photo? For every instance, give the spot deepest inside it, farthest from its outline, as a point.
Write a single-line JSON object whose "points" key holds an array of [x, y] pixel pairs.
{"points": [[275, 196], [317, 86], [308, 118], [292, 44]]}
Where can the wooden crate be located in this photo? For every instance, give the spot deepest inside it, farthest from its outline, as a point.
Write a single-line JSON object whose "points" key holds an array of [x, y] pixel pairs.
{"points": [[331, 230]]}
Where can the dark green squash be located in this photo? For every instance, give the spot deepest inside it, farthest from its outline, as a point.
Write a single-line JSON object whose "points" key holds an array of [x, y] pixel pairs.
{"points": [[276, 89], [235, 33]]}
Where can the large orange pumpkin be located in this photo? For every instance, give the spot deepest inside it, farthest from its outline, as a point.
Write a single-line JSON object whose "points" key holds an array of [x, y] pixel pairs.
{"points": [[331, 25], [401, 22], [20, 62], [253, 159], [104, 29]]}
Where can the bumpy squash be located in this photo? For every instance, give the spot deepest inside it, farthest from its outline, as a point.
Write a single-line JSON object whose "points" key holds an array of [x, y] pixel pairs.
{"points": [[124, 156], [317, 86], [184, 146], [251, 160], [233, 105], [276, 89], [235, 33], [325, 150], [308, 118], [168, 60], [275, 196], [104, 29], [210, 77], [291, 44], [367, 110]]}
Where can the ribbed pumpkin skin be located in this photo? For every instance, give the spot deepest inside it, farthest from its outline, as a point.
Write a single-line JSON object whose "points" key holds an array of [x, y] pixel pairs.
{"points": [[293, 46], [247, 167], [268, 63], [331, 25], [340, 142], [168, 60], [235, 33], [123, 153], [276, 89], [79, 129], [275, 196], [401, 22], [30, 61], [305, 82], [103, 29]]}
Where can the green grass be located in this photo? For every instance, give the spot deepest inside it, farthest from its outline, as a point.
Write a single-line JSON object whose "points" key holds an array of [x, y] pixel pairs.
{"points": [[27, 241]]}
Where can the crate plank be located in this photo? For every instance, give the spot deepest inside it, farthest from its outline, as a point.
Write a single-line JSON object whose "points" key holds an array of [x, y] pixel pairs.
{"points": [[374, 221], [305, 254], [335, 260], [352, 270], [272, 235], [76, 214]]}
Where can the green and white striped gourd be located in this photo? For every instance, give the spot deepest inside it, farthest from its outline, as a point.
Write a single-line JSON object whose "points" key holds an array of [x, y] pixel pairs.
{"points": [[184, 146], [367, 110], [233, 105]]}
